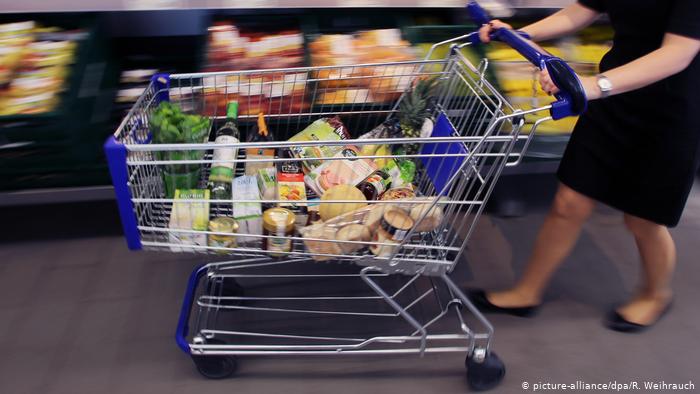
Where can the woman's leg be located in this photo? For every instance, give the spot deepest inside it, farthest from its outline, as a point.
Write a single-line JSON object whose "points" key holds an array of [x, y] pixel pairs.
{"points": [[555, 240], [658, 253]]}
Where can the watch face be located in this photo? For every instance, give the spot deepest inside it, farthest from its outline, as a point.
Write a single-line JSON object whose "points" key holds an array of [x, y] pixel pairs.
{"points": [[604, 84]]}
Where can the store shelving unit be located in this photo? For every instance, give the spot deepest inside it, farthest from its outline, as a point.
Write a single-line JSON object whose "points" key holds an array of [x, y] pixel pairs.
{"points": [[420, 21]]}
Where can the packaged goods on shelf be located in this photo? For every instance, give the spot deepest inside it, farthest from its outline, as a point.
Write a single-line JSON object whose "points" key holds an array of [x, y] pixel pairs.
{"points": [[132, 84], [362, 84], [272, 93], [34, 65]]}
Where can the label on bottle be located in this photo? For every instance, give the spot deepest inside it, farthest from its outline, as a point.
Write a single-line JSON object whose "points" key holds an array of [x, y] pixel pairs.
{"points": [[378, 182], [221, 174], [227, 154]]}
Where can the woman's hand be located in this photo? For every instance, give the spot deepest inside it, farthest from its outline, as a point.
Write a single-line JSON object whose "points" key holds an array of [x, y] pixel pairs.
{"points": [[590, 85], [486, 30]]}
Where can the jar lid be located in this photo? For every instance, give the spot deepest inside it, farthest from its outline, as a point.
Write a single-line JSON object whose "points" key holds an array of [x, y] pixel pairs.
{"points": [[223, 224], [278, 218]]}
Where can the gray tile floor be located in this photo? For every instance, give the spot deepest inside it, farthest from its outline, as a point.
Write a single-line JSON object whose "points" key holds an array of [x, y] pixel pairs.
{"points": [[86, 315]]}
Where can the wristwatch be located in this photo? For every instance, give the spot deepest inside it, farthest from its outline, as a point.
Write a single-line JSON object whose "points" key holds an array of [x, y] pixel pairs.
{"points": [[604, 85]]}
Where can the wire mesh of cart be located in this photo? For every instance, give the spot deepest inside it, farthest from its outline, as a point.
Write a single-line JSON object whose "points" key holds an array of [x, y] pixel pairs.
{"points": [[344, 241]]}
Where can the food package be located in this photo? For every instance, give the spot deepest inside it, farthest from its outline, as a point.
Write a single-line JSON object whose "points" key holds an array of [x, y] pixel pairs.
{"points": [[351, 233], [247, 214], [189, 216], [399, 193], [324, 129], [290, 185], [322, 238], [267, 183], [350, 171]]}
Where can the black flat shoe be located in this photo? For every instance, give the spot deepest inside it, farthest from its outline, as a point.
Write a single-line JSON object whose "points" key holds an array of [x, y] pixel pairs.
{"points": [[614, 321], [479, 299]]}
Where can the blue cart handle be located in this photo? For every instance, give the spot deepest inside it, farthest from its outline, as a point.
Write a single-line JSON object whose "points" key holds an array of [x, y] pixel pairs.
{"points": [[571, 98]]}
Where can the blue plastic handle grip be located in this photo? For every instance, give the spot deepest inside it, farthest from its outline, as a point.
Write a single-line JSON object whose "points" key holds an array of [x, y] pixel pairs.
{"points": [[571, 98]]}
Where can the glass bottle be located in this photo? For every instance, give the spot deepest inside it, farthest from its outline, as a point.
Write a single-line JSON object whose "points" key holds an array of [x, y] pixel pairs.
{"points": [[223, 159], [374, 185]]}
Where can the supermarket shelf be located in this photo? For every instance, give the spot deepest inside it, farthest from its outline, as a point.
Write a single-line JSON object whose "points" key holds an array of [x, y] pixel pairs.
{"points": [[497, 7], [56, 195]]}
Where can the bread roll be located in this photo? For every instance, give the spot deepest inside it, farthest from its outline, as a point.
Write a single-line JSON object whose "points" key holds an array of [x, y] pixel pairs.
{"points": [[353, 232], [431, 221]]}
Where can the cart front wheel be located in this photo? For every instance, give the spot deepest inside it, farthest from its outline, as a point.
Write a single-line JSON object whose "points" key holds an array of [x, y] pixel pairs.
{"points": [[485, 372], [215, 367]]}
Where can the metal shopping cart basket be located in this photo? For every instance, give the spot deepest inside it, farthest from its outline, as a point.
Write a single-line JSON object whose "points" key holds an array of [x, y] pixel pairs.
{"points": [[320, 293]]}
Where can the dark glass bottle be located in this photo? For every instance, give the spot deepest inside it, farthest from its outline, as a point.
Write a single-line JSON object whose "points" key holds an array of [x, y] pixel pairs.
{"points": [[374, 185]]}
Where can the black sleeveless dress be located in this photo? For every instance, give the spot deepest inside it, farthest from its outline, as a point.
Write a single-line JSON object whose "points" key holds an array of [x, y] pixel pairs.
{"points": [[639, 151]]}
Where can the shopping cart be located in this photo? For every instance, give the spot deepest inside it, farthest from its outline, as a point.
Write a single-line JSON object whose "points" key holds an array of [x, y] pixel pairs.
{"points": [[320, 294]]}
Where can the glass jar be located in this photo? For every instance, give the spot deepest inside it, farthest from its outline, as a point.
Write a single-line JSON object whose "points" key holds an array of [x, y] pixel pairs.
{"points": [[278, 226], [222, 224], [393, 228]]}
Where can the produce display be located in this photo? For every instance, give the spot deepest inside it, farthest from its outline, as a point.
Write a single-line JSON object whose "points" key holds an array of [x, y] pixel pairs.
{"points": [[358, 84], [231, 49], [324, 199], [34, 65]]}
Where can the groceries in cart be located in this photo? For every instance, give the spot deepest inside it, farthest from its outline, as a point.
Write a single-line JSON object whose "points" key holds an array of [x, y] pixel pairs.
{"points": [[320, 193]]}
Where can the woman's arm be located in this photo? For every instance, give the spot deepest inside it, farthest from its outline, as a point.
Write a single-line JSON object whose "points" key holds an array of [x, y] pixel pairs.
{"points": [[566, 21], [675, 55]]}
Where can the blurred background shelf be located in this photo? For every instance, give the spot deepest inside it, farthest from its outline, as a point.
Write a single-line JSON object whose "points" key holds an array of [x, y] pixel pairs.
{"points": [[120, 50], [498, 6]]}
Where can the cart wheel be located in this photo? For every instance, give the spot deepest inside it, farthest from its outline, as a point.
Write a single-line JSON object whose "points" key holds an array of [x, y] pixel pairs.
{"points": [[215, 367], [484, 374]]}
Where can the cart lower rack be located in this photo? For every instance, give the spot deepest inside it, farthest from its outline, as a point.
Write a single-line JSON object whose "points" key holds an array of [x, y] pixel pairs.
{"points": [[351, 219], [368, 312]]}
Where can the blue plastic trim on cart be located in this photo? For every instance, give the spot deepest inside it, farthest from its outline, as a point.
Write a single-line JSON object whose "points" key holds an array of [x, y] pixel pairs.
{"points": [[161, 83], [441, 171], [183, 322], [571, 98], [116, 160]]}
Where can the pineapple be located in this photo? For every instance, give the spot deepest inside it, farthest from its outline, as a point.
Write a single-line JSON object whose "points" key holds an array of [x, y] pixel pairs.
{"points": [[415, 108]]}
